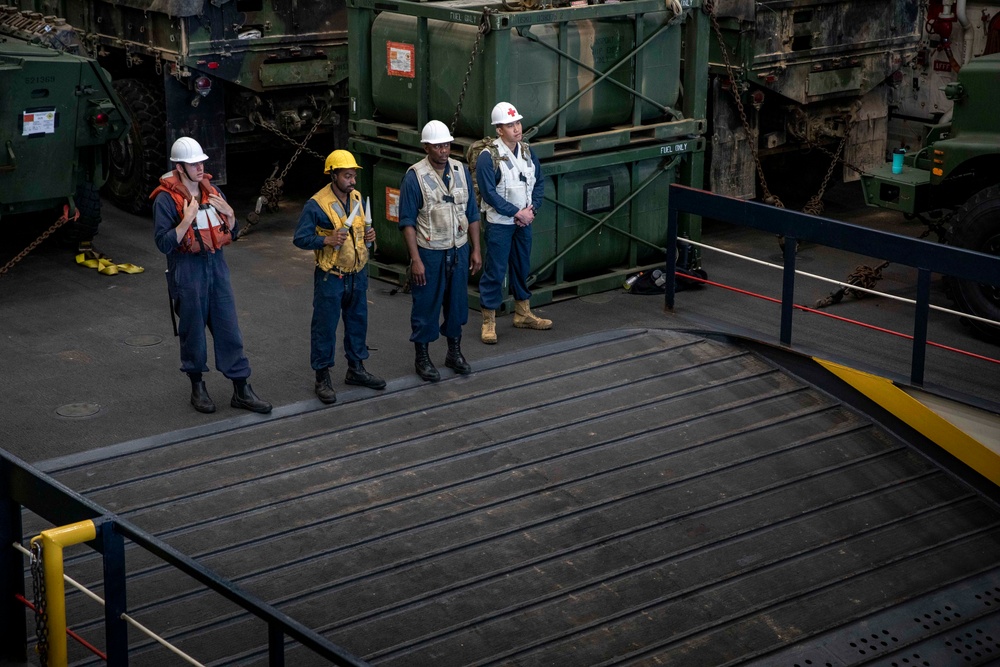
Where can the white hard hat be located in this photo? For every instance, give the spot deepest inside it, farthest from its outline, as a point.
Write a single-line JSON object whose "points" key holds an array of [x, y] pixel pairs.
{"points": [[435, 132], [504, 113], [187, 150]]}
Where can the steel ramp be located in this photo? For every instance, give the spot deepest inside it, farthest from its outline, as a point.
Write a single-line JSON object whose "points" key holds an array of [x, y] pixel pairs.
{"points": [[633, 497]]}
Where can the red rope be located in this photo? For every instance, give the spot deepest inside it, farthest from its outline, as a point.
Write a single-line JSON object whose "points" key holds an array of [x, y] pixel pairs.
{"points": [[87, 645], [838, 317]]}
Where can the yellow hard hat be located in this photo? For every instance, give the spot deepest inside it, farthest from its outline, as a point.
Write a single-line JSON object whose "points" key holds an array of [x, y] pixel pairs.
{"points": [[340, 159]]}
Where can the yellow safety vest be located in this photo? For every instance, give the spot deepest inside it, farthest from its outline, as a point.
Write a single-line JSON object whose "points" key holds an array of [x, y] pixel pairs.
{"points": [[353, 255]]}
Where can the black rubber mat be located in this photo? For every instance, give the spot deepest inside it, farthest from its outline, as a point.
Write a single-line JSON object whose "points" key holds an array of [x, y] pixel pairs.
{"points": [[639, 497]]}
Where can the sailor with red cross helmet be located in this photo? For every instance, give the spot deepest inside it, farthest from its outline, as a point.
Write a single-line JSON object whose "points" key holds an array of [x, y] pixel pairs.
{"points": [[193, 222], [439, 219], [511, 186], [332, 225]]}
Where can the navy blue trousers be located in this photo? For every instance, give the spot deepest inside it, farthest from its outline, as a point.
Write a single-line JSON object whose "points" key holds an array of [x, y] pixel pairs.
{"points": [[447, 291], [508, 247], [333, 297], [205, 300]]}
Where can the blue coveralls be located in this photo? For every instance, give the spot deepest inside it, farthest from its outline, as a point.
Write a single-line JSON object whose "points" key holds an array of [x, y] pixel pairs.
{"points": [[447, 270], [333, 295], [508, 247], [199, 282]]}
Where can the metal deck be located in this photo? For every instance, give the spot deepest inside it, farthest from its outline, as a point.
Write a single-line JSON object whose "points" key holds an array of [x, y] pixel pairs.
{"points": [[638, 497]]}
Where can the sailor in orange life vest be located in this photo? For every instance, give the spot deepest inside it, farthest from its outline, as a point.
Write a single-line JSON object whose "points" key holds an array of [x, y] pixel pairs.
{"points": [[333, 225], [192, 223]]}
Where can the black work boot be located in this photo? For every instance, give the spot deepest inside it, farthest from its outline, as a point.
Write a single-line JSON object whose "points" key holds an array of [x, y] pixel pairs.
{"points": [[455, 360], [324, 388], [245, 399], [424, 365], [357, 374], [200, 399]]}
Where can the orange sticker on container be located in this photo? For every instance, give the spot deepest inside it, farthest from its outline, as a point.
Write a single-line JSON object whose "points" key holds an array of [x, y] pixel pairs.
{"points": [[399, 59], [392, 204]]}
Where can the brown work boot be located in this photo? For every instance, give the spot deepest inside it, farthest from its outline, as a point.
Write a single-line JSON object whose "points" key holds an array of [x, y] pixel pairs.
{"points": [[489, 334], [525, 319]]}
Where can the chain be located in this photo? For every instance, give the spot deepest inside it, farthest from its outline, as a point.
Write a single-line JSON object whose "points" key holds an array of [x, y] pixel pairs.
{"points": [[299, 147], [769, 198], [63, 219], [270, 190], [863, 276], [815, 204], [938, 227], [823, 149], [41, 613], [484, 27]]}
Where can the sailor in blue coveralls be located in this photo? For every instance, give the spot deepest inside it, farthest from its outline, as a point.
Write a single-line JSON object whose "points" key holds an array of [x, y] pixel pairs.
{"points": [[439, 219], [333, 225], [192, 223], [511, 186]]}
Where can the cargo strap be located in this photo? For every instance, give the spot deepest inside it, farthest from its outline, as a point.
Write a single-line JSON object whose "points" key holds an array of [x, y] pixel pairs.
{"points": [[92, 259]]}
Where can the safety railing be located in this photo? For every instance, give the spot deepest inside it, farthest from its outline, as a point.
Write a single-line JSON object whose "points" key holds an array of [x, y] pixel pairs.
{"points": [[925, 256], [22, 486]]}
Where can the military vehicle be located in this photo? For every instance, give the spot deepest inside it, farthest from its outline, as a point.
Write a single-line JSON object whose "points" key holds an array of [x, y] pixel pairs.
{"points": [[58, 113], [813, 74], [849, 78], [955, 33], [953, 183], [230, 73]]}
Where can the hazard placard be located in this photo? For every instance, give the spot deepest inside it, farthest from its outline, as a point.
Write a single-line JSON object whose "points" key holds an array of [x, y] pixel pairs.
{"points": [[399, 59], [392, 204]]}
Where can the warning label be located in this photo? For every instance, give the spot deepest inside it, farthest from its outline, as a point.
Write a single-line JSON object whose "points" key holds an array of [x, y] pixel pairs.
{"points": [[399, 59], [38, 122], [392, 204]]}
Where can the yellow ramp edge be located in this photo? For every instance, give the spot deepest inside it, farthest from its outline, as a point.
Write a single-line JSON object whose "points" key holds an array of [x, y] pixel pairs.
{"points": [[948, 424]]}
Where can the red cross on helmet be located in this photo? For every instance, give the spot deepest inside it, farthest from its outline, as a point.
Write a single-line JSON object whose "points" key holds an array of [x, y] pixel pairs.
{"points": [[504, 112]]}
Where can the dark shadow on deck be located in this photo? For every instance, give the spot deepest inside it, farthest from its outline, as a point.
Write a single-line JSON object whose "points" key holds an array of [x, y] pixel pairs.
{"points": [[638, 497]]}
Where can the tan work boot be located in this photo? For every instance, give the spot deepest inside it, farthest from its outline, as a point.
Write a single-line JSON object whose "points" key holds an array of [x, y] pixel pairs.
{"points": [[489, 334], [525, 319]]}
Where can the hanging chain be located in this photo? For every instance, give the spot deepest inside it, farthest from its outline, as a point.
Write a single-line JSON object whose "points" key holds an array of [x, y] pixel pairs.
{"points": [[769, 198], [815, 204], [271, 189], [484, 27], [41, 613], [260, 122], [839, 158], [63, 219]]}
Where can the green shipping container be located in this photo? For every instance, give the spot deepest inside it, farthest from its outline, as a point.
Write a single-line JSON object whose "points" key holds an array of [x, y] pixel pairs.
{"points": [[533, 69], [570, 243]]}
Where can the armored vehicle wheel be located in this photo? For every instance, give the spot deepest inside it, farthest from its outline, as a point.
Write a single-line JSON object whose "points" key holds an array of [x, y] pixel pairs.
{"points": [[140, 157], [976, 226], [88, 202]]}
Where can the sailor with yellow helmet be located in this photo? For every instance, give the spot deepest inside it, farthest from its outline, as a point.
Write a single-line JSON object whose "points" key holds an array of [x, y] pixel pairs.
{"points": [[332, 224]]}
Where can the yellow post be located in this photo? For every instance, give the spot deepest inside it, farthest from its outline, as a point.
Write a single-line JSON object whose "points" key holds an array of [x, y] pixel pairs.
{"points": [[53, 541]]}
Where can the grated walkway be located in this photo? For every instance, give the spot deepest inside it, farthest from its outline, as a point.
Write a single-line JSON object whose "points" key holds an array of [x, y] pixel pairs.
{"points": [[635, 497]]}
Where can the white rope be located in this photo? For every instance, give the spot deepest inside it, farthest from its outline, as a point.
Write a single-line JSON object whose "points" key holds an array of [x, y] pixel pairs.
{"points": [[84, 590], [842, 284], [78, 586], [128, 619], [152, 635]]}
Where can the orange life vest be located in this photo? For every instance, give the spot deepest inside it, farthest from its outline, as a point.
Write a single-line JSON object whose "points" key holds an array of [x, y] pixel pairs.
{"points": [[209, 236]]}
